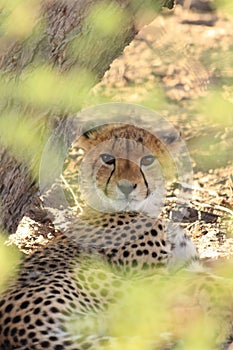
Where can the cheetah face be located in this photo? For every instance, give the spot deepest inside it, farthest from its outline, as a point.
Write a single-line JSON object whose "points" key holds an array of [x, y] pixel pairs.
{"points": [[121, 172]]}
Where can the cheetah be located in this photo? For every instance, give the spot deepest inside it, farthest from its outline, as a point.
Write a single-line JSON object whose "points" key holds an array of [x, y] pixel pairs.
{"points": [[87, 267]]}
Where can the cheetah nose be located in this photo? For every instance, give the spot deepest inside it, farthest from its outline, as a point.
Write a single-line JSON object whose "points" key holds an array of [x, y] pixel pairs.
{"points": [[126, 187]]}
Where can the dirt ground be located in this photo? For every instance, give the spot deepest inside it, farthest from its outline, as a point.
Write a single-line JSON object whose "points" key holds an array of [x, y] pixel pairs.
{"points": [[172, 66]]}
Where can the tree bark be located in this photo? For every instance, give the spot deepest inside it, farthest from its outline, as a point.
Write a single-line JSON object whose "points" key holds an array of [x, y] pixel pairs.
{"points": [[62, 38]]}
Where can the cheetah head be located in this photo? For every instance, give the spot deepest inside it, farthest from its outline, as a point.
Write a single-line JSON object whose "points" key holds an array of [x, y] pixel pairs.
{"points": [[122, 169]]}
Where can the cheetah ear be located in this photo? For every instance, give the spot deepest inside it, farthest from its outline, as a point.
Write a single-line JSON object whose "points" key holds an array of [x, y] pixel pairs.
{"points": [[90, 136], [85, 142]]}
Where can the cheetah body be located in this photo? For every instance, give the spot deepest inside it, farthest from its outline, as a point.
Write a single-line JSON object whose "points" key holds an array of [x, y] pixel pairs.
{"points": [[87, 268]]}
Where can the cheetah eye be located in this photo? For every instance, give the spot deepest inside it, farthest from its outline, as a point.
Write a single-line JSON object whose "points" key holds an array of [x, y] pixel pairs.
{"points": [[147, 160], [107, 159]]}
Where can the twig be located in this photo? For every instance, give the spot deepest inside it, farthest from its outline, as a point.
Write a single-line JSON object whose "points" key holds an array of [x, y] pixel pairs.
{"points": [[216, 207]]}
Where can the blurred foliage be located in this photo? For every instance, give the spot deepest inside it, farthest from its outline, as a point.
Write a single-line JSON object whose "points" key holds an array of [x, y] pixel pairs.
{"points": [[221, 62], [212, 149], [18, 18], [99, 31], [224, 5], [171, 311], [18, 133], [46, 87], [105, 19], [216, 108], [9, 260]]}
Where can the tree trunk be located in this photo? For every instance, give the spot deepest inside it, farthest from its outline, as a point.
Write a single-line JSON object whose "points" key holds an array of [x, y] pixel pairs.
{"points": [[63, 35]]}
